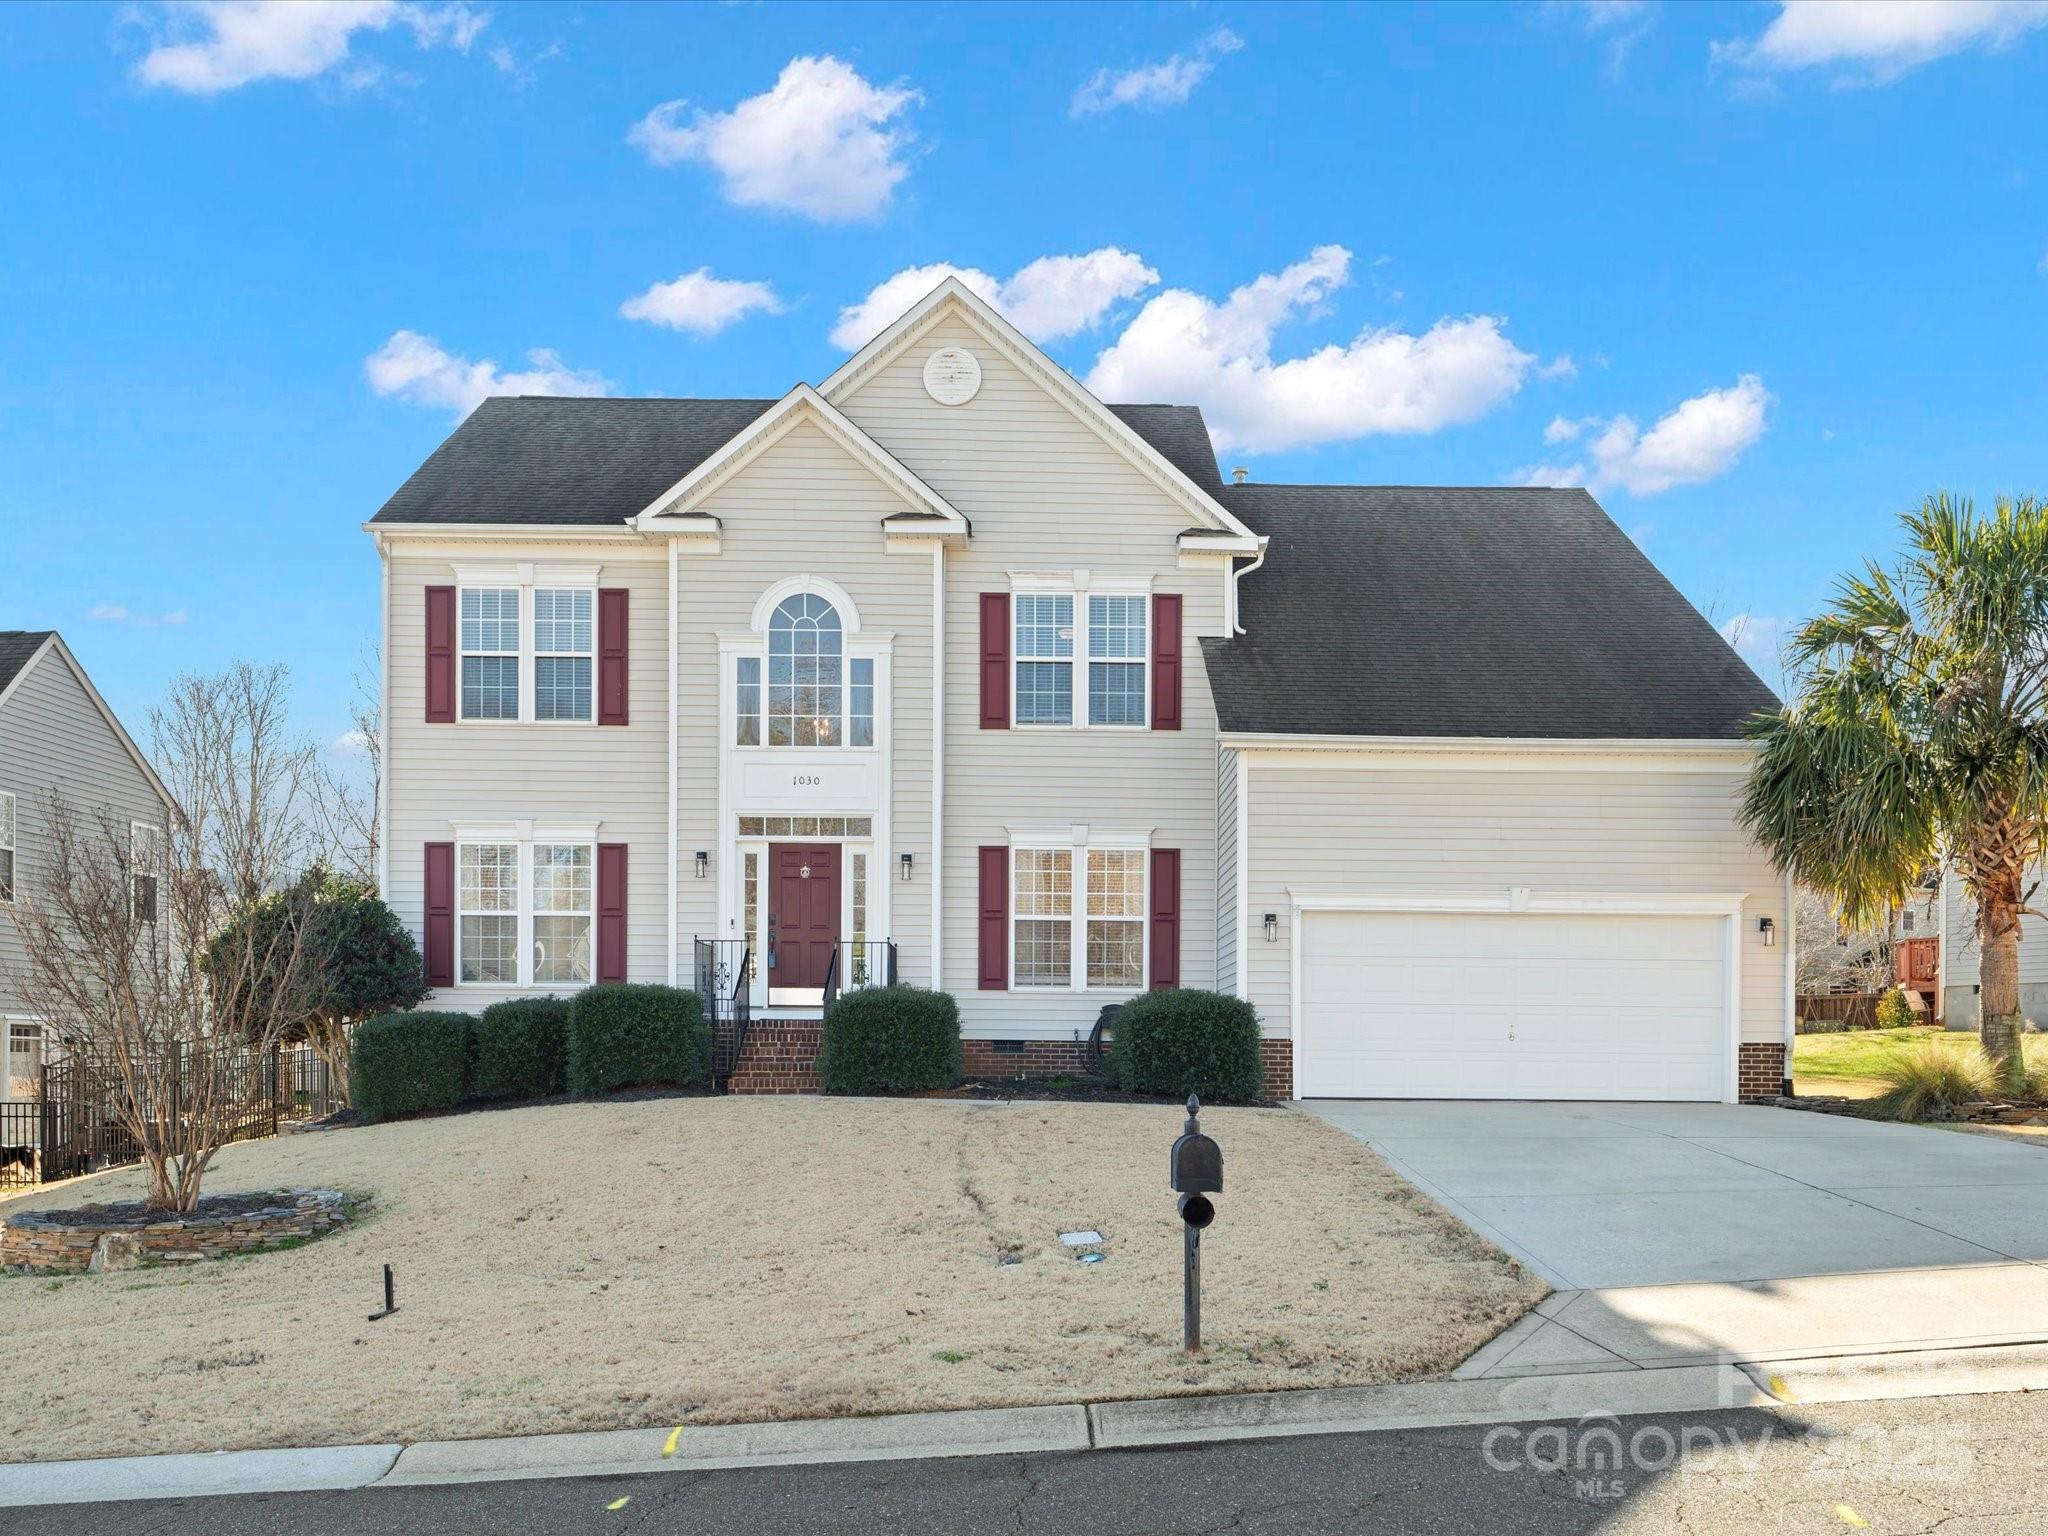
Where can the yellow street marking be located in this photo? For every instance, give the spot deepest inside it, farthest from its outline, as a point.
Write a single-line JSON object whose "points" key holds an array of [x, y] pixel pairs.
{"points": [[1850, 1518], [669, 1447], [620, 1503]]}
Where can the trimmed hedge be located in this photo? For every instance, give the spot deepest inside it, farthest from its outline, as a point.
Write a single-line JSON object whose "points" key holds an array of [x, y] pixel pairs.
{"points": [[890, 1040], [1180, 1041], [631, 1034], [405, 1062], [522, 1048]]}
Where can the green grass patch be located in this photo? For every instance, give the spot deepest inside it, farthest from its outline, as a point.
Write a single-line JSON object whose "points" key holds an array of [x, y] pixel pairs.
{"points": [[1868, 1055]]}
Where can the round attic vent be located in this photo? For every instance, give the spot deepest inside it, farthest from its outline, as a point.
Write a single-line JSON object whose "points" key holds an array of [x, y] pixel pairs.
{"points": [[952, 376]]}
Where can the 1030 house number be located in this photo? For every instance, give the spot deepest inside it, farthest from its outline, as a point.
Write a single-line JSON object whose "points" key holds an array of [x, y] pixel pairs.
{"points": [[804, 781]]}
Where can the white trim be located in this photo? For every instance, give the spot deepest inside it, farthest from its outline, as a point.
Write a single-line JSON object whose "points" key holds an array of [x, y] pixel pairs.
{"points": [[1532, 746], [1056, 381], [463, 535], [768, 429], [790, 586], [1081, 587], [10, 824], [1788, 929], [1244, 878], [1524, 899], [529, 579], [938, 850], [525, 573], [1940, 948], [668, 716], [55, 642], [1079, 842], [525, 836], [383, 808], [525, 829]]}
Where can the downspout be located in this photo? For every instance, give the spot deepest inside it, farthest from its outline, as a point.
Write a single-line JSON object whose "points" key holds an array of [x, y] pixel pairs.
{"points": [[1791, 926], [668, 717], [938, 763], [1237, 574]]}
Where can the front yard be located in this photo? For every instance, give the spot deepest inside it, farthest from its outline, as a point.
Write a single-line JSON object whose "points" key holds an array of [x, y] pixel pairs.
{"points": [[696, 1261], [1851, 1062]]}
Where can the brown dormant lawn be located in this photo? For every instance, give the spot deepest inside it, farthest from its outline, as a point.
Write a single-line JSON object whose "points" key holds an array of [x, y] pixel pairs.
{"points": [[703, 1261]]}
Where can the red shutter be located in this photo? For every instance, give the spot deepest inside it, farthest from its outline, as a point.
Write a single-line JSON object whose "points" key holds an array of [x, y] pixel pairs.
{"points": [[440, 914], [1166, 661], [611, 655], [995, 662], [995, 916], [611, 910], [440, 655], [1166, 913]]}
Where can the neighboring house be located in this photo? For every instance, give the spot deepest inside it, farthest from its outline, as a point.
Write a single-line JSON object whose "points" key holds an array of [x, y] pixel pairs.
{"points": [[944, 660], [1960, 956], [58, 736]]}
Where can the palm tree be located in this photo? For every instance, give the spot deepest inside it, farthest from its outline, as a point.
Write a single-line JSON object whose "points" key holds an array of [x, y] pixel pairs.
{"points": [[1919, 732]]}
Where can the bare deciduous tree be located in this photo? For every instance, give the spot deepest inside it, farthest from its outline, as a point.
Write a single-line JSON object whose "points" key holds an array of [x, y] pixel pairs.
{"points": [[346, 793]]}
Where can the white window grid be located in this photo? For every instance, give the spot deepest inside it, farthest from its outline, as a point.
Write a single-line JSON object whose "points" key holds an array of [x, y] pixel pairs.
{"points": [[1090, 647], [148, 844], [525, 913], [806, 673], [526, 654], [7, 845], [1077, 917]]}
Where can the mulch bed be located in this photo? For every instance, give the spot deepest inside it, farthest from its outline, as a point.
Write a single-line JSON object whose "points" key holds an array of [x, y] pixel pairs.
{"points": [[133, 1213], [1070, 1090]]}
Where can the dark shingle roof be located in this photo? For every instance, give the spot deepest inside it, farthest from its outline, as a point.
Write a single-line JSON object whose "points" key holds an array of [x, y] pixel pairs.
{"points": [[16, 647], [1439, 611], [549, 459]]}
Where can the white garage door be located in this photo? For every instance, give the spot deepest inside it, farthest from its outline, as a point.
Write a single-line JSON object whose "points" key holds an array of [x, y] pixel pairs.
{"points": [[1512, 1006]]}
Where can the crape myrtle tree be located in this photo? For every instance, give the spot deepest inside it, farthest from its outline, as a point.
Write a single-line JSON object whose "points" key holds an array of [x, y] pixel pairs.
{"points": [[116, 927], [1918, 732]]}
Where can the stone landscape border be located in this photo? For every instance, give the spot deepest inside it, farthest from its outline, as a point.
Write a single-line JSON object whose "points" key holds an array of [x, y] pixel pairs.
{"points": [[70, 1241]]}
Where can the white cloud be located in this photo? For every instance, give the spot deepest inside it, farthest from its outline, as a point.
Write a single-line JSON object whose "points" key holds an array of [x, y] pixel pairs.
{"points": [[1697, 441], [415, 368], [1048, 299], [1620, 23], [821, 142], [114, 613], [349, 744], [1880, 39], [1154, 86], [700, 303], [210, 46], [1561, 366], [1182, 346], [1760, 640]]}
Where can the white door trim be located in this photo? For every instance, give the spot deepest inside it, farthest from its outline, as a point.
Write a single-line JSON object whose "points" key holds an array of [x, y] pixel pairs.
{"points": [[1725, 905]]}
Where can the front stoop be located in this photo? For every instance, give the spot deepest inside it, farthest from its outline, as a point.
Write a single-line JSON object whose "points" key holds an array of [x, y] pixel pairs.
{"points": [[780, 1056]]}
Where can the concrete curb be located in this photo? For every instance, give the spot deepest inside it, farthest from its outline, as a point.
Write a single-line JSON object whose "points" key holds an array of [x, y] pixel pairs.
{"points": [[1056, 1429]]}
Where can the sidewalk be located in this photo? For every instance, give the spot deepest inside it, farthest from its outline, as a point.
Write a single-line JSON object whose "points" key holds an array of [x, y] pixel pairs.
{"points": [[1070, 1428]]}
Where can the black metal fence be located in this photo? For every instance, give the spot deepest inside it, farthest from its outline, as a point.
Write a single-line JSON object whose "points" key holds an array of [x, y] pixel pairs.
{"points": [[724, 979], [73, 1123]]}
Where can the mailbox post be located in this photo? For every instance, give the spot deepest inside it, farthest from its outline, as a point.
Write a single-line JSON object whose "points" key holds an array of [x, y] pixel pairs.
{"points": [[1194, 1172]]}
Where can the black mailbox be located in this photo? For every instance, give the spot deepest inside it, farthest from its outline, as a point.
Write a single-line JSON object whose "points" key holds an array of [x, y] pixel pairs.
{"points": [[1195, 1166]]}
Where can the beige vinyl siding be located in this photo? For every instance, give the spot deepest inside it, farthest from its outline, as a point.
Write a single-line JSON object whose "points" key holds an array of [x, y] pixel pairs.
{"points": [[1226, 870], [1045, 492], [1960, 1008], [807, 507], [1366, 824], [53, 737], [442, 775]]}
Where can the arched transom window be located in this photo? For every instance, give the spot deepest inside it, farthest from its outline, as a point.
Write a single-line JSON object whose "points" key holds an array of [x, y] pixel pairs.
{"points": [[816, 697]]}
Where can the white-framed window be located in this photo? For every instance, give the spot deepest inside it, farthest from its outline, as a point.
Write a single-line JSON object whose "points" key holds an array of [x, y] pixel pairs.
{"points": [[526, 912], [526, 645], [802, 688], [7, 845], [24, 1062], [147, 846], [1092, 645], [1078, 917]]}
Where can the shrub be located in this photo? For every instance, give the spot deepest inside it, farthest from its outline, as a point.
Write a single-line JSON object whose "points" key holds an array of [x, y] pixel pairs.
{"points": [[522, 1048], [890, 1040], [403, 1062], [1180, 1041], [1894, 1011], [629, 1034], [1929, 1082]]}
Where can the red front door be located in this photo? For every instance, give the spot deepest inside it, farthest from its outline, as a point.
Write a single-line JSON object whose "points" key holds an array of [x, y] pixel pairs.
{"points": [[804, 889]]}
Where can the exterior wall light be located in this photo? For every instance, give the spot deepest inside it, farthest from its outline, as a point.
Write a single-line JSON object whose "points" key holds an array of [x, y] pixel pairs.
{"points": [[703, 863], [903, 862], [1768, 927], [1272, 927]]}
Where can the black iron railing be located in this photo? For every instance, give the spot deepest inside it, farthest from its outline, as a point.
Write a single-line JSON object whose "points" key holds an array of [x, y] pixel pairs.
{"points": [[858, 963], [725, 969]]}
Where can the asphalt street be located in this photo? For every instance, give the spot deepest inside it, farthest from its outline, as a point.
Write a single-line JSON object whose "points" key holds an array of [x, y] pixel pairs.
{"points": [[1958, 1464]]}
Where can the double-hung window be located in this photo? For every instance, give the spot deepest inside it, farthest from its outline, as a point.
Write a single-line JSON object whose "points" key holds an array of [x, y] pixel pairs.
{"points": [[526, 913], [1078, 918], [528, 653], [7, 835], [147, 846], [1110, 651]]}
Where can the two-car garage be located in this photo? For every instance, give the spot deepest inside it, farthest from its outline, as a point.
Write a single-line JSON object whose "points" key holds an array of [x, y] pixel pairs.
{"points": [[1514, 1004]]}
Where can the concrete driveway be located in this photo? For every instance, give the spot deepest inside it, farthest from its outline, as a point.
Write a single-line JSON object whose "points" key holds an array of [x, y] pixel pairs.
{"points": [[1677, 1233]]}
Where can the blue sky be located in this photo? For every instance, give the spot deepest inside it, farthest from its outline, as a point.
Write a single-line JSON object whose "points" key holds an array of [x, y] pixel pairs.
{"points": [[1762, 276]]}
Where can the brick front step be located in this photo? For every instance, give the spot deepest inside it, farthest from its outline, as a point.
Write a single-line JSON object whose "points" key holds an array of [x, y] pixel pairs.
{"points": [[780, 1056]]}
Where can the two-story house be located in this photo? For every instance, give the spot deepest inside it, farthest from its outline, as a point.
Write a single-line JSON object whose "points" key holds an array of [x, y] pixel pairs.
{"points": [[944, 667], [57, 736]]}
